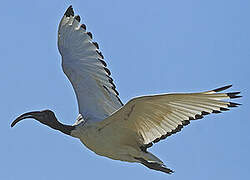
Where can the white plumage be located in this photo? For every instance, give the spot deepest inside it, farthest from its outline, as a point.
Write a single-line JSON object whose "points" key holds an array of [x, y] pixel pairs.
{"points": [[105, 125], [83, 64]]}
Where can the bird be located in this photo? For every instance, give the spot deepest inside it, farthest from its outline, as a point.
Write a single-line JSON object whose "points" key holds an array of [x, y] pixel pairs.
{"points": [[105, 125]]}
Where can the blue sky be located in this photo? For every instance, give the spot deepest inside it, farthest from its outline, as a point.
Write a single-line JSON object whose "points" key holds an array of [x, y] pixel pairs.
{"points": [[150, 47]]}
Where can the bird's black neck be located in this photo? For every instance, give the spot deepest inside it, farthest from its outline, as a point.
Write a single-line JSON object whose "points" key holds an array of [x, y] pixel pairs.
{"points": [[66, 129], [55, 124]]}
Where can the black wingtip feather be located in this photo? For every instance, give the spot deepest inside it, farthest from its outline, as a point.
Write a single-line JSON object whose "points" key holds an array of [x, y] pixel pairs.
{"points": [[100, 54], [197, 116], [116, 92], [107, 71], [185, 122], [78, 18], [204, 113], [103, 62], [191, 118], [69, 12], [178, 129], [216, 112], [83, 26], [224, 109], [222, 88], [156, 140], [233, 95], [149, 145], [90, 35], [232, 104], [96, 45]]}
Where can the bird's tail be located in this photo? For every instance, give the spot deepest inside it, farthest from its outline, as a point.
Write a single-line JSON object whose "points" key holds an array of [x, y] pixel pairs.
{"points": [[155, 166], [151, 161]]}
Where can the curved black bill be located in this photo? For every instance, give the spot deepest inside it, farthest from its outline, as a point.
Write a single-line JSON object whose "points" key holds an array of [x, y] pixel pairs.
{"points": [[33, 114]]}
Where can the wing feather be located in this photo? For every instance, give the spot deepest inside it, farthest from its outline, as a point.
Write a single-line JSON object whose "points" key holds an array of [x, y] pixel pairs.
{"points": [[157, 117], [84, 66]]}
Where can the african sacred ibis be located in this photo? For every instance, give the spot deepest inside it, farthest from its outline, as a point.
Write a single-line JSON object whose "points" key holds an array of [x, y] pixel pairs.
{"points": [[105, 125]]}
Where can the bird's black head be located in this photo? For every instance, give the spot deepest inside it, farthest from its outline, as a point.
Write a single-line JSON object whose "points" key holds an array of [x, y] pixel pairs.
{"points": [[46, 117]]}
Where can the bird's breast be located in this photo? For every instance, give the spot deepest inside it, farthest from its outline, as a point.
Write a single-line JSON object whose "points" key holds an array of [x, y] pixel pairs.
{"points": [[105, 141], [95, 139]]}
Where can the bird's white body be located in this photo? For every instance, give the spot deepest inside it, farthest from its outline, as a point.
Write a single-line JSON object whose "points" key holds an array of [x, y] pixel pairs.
{"points": [[116, 143], [105, 142]]}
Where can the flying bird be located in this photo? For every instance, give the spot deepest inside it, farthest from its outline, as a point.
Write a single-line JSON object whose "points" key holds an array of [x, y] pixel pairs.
{"points": [[104, 124]]}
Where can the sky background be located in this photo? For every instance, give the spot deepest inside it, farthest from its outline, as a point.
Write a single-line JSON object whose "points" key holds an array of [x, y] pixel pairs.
{"points": [[150, 47]]}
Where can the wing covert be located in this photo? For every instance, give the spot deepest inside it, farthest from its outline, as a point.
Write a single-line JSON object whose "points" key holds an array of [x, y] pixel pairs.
{"points": [[86, 69]]}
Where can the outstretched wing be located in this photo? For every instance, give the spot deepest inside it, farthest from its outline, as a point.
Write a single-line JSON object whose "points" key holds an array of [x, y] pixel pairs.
{"points": [[84, 66], [156, 117]]}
